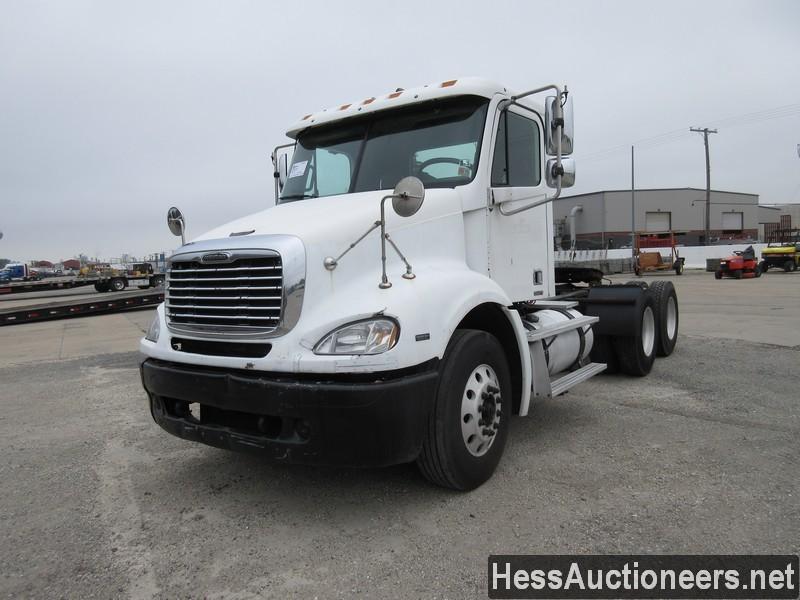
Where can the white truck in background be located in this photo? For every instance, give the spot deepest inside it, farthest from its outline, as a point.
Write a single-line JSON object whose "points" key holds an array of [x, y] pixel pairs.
{"points": [[400, 301]]}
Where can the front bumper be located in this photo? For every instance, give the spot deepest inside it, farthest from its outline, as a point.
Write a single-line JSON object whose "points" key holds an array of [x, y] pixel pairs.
{"points": [[352, 420]]}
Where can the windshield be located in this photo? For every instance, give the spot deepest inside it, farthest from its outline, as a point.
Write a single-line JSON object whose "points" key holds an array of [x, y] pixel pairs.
{"points": [[437, 141]]}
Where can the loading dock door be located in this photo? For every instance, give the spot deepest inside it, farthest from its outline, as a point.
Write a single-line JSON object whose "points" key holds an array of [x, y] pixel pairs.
{"points": [[658, 221], [732, 221]]}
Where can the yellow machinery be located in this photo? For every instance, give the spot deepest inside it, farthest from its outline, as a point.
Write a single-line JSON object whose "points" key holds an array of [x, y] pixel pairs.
{"points": [[782, 251]]}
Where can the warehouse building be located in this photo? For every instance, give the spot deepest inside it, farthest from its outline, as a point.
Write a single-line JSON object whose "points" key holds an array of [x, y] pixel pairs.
{"points": [[603, 219], [775, 218]]}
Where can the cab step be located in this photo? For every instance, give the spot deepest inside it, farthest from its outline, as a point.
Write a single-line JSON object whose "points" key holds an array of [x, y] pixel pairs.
{"points": [[565, 382]]}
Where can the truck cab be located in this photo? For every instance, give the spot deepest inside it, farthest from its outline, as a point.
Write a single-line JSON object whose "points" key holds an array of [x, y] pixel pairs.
{"points": [[399, 302], [16, 272]]}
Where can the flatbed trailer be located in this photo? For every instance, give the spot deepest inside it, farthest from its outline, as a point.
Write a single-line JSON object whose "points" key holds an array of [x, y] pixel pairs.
{"points": [[53, 283], [101, 282], [82, 307]]}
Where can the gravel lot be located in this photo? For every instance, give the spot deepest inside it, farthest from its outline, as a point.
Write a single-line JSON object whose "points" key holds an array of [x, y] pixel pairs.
{"points": [[699, 457]]}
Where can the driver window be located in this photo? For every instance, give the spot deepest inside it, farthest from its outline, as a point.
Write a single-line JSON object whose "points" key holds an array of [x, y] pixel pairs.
{"points": [[516, 152]]}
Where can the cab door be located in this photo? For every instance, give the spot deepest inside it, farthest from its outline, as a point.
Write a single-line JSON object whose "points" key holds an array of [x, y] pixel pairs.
{"points": [[520, 245]]}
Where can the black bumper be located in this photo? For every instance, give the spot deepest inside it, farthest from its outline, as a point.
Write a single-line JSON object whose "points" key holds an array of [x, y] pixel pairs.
{"points": [[365, 421]]}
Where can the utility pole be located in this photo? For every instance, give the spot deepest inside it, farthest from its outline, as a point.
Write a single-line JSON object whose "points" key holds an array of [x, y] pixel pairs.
{"points": [[705, 131]]}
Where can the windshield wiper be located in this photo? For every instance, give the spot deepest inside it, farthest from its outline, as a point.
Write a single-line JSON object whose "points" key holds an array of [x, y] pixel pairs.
{"points": [[298, 196]]}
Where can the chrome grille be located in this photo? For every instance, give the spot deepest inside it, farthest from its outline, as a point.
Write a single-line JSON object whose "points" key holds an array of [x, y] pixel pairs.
{"points": [[244, 294]]}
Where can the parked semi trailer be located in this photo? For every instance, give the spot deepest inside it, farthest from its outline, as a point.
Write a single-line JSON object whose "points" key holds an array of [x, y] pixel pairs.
{"points": [[141, 275], [104, 280], [17, 272], [400, 302]]}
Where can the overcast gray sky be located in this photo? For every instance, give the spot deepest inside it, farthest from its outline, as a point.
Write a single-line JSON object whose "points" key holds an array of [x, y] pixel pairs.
{"points": [[111, 112]]}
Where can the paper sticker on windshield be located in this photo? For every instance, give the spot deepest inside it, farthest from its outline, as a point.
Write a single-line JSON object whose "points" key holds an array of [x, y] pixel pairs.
{"points": [[298, 169]]}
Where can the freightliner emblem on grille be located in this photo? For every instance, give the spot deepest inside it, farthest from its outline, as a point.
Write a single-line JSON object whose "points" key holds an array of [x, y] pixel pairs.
{"points": [[216, 257]]}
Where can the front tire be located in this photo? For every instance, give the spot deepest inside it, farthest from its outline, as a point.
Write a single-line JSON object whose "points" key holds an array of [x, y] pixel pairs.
{"points": [[469, 421]]}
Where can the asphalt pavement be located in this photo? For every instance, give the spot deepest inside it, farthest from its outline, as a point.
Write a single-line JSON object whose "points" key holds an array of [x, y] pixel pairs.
{"points": [[98, 502]]}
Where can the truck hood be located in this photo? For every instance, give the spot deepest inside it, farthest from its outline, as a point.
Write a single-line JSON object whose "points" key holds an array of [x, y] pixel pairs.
{"points": [[336, 219]]}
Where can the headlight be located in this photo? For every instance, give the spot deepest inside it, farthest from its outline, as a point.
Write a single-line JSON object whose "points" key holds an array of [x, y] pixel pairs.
{"points": [[154, 330], [364, 337]]}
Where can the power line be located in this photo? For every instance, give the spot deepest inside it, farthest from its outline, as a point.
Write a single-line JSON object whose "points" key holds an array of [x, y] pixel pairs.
{"points": [[668, 137]]}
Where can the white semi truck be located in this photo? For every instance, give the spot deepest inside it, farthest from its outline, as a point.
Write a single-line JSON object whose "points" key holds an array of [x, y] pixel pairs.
{"points": [[399, 302]]}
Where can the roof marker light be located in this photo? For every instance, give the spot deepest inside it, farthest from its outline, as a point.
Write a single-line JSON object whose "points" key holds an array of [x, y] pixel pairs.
{"points": [[450, 83], [306, 117], [369, 100], [394, 95], [344, 106]]}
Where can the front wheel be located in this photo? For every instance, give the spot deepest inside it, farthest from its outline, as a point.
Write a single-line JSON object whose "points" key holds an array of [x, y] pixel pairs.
{"points": [[717, 274], [469, 419]]}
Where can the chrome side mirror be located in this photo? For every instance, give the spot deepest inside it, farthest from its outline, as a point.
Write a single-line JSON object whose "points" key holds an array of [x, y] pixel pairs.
{"points": [[280, 166], [567, 176], [408, 195], [567, 132], [283, 170], [176, 223]]}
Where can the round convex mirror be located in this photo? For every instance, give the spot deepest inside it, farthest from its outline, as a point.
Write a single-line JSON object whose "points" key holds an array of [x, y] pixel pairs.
{"points": [[408, 196], [175, 221]]}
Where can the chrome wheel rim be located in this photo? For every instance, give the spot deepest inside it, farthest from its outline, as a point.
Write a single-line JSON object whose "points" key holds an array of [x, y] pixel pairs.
{"points": [[648, 331], [480, 410], [672, 318]]}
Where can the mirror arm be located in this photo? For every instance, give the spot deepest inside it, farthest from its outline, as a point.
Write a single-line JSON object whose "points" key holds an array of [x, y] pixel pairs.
{"points": [[545, 200], [331, 263], [401, 192], [558, 110], [409, 273]]}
